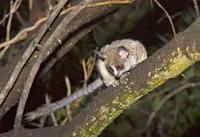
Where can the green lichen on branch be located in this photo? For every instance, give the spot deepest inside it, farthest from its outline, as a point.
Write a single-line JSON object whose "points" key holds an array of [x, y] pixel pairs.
{"points": [[106, 114], [169, 69]]}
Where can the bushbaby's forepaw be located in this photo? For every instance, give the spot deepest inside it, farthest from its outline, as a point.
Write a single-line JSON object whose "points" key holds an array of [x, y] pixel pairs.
{"points": [[124, 78], [110, 81], [116, 83]]}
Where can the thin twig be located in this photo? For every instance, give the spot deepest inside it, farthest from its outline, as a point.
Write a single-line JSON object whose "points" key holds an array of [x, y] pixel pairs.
{"points": [[8, 28], [13, 8], [87, 71], [69, 91], [64, 121], [167, 97], [172, 16], [69, 116], [47, 100], [22, 34], [4, 18], [168, 16], [84, 72], [151, 3], [90, 67], [20, 19], [196, 7]]}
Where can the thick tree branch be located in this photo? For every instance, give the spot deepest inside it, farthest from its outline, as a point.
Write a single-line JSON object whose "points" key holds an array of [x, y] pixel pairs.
{"points": [[168, 62]]}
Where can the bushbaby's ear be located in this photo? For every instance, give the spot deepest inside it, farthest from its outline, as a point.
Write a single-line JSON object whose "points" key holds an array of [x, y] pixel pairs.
{"points": [[122, 52]]}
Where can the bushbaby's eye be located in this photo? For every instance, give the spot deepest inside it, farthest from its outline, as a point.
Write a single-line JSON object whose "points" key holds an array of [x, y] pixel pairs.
{"points": [[110, 69], [119, 67]]}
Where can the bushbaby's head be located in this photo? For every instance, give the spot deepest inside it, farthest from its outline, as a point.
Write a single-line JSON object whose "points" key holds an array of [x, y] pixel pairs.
{"points": [[114, 60]]}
